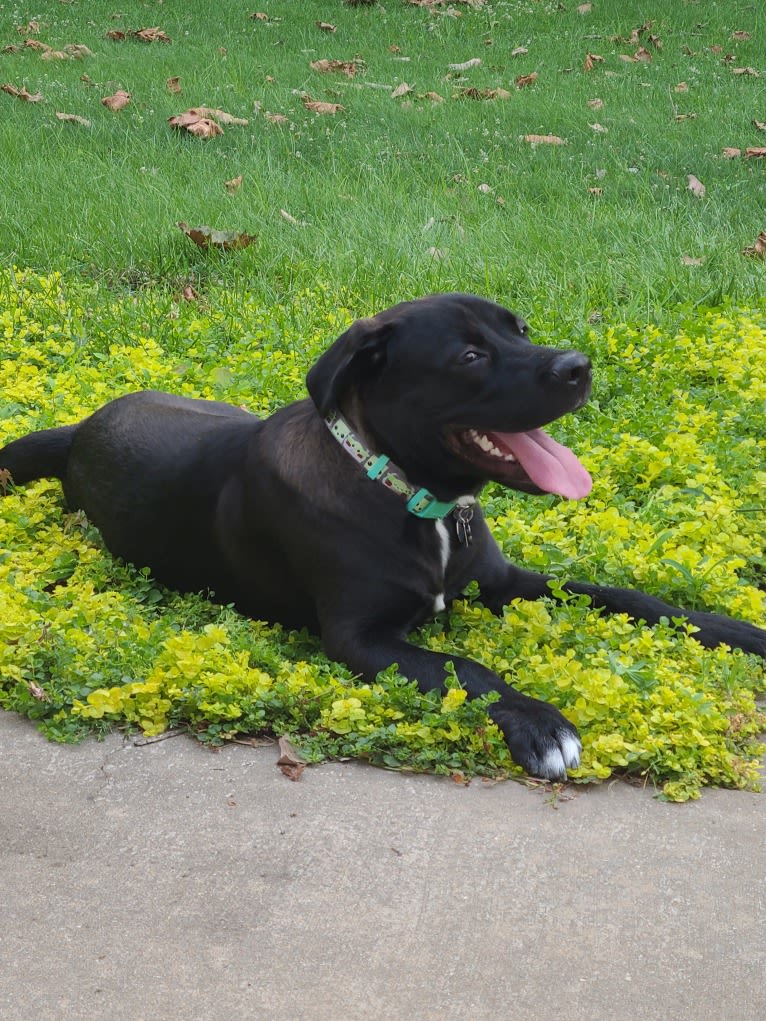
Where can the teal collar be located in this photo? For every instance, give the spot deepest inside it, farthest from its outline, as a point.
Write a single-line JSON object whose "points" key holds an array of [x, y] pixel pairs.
{"points": [[420, 502]]}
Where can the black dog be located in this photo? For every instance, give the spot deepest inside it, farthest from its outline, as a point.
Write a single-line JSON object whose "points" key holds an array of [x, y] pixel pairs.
{"points": [[353, 513]]}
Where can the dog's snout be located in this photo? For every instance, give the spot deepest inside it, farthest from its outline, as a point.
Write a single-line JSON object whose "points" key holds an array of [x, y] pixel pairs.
{"points": [[570, 368]]}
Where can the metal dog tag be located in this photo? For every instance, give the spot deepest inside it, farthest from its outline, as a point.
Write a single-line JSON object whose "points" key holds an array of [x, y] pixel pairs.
{"points": [[463, 517]]}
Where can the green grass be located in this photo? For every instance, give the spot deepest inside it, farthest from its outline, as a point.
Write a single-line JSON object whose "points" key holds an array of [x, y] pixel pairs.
{"points": [[674, 434], [369, 181]]}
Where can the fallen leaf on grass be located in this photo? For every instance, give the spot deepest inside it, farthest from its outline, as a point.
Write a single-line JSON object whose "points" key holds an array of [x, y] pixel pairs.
{"points": [[74, 119], [591, 59], [118, 101], [466, 65], [49, 54], [741, 37], [276, 118], [584, 8], [226, 240], [643, 54], [595, 191], [681, 87], [232, 185], [758, 249], [195, 124], [77, 51], [695, 186], [526, 79], [151, 35], [730, 153], [596, 104], [519, 51], [31, 28], [173, 84], [755, 152], [347, 67], [434, 97], [747, 71], [317, 106], [28, 97], [761, 125], [325, 26], [599, 128], [401, 90], [544, 140], [289, 761], [189, 294], [690, 260], [291, 219], [203, 121], [474, 93]]}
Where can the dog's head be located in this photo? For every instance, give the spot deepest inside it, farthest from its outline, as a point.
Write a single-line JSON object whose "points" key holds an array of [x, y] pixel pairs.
{"points": [[451, 388]]}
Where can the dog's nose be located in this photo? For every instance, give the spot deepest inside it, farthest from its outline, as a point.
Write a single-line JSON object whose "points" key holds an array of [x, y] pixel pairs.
{"points": [[570, 368]]}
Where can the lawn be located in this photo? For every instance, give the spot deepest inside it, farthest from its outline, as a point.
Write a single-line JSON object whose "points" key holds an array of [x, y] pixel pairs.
{"points": [[632, 237]]}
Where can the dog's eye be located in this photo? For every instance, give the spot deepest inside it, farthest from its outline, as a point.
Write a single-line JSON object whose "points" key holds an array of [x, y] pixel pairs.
{"points": [[471, 356]]}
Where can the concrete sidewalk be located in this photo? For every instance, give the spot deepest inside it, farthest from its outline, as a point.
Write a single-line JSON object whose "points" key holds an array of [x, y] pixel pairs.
{"points": [[167, 882]]}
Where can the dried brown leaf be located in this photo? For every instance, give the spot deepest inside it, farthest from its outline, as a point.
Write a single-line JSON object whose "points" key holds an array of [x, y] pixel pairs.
{"points": [[730, 153], [347, 67], [434, 97], [196, 124], [681, 87], [118, 101], [643, 54], [761, 125], [325, 26], [695, 186], [544, 140], [189, 294], [22, 93], [741, 37], [755, 152], [289, 761], [758, 249], [77, 51], [234, 184], [584, 8], [526, 79], [591, 59], [317, 106], [31, 28], [276, 118], [690, 260], [74, 119], [49, 54], [520, 51], [746, 71], [596, 104], [226, 240], [401, 90], [474, 93], [173, 84], [151, 35], [116, 35]]}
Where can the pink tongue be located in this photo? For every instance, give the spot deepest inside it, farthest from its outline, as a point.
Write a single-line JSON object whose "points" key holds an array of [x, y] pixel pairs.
{"points": [[551, 466]]}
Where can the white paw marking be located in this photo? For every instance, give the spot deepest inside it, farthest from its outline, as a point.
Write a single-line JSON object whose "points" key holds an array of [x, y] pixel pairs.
{"points": [[562, 757]]}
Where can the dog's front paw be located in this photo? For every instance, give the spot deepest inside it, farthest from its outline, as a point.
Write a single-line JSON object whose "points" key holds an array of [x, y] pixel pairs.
{"points": [[540, 739]]}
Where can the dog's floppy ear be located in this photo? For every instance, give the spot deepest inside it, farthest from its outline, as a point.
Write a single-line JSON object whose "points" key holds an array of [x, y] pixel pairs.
{"points": [[355, 356]]}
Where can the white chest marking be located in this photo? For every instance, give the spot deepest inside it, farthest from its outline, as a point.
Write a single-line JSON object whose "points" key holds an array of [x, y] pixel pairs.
{"points": [[444, 550]]}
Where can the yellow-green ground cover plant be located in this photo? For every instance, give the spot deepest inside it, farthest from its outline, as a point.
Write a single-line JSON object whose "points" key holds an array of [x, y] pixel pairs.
{"points": [[674, 437]]}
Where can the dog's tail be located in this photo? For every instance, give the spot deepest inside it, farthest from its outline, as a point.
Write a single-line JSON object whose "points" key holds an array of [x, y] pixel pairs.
{"points": [[39, 455]]}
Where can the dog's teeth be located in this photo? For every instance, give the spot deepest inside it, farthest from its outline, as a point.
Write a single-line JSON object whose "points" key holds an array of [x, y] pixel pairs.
{"points": [[485, 443]]}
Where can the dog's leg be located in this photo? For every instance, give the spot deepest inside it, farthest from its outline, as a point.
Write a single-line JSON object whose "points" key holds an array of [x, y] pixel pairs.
{"points": [[39, 455], [540, 739], [712, 628]]}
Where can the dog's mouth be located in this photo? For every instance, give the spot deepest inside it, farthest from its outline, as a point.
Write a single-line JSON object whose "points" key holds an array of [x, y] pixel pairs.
{"points": [[530, 461]]}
